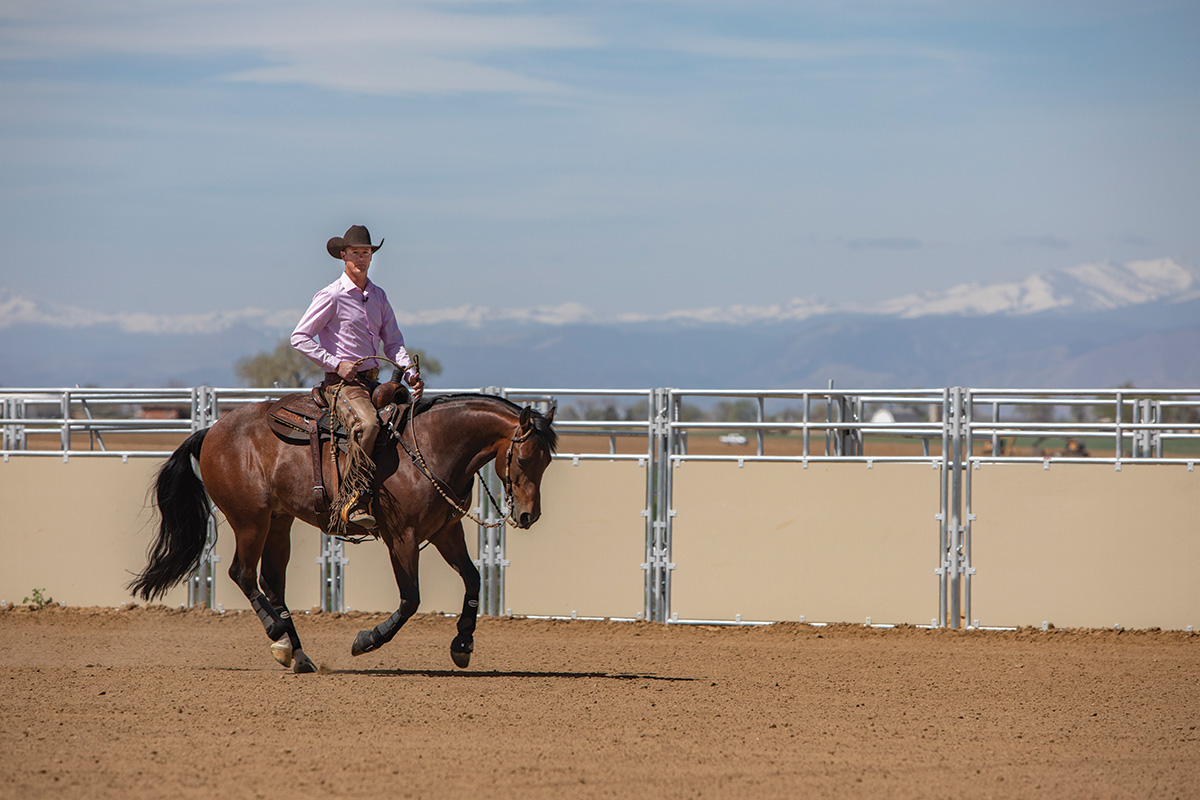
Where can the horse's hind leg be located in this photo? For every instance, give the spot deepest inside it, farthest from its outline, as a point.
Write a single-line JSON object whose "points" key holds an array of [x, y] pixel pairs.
{"points": [[404, 552], [252, 534], [273, 578], [452, 544]]}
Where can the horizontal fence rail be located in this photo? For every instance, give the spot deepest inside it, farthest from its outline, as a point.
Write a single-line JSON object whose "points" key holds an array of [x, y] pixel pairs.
{"points": [[666, 433]]}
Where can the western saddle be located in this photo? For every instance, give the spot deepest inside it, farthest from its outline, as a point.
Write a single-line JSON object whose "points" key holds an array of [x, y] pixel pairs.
{"points": [[301, 419]]}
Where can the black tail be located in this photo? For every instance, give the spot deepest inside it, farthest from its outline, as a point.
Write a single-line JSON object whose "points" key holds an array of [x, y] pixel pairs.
{"points": [[184, 509]]}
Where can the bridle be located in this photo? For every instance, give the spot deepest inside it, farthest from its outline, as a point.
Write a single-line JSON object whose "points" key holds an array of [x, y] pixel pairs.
{"points": [[419, 459]]}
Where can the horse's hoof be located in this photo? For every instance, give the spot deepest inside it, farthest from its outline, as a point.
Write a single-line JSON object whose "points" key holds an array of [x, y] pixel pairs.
{"points": [[282, 650], [363, 643], [303, 663], [460, 651]]}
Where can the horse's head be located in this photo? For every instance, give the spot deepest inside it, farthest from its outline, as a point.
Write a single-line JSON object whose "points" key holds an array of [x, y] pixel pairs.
{"points": [[529, 454]]}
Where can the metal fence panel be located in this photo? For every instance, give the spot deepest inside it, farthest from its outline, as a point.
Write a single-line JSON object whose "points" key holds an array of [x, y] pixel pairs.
{"points": [[76, 529], [1082, 545], [1050, 505], [585, 555], [830, 542], [371, 584]]}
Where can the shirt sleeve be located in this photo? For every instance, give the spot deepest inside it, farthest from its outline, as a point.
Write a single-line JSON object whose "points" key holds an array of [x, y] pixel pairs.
{"points": [[393, 339], [304, 337]]}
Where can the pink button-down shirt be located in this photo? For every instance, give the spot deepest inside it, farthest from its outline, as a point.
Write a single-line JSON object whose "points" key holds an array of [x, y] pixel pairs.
{"points": [[350, 324]]}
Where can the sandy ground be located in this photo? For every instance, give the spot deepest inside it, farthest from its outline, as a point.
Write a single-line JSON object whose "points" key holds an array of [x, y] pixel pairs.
{"points": [[149, 702]]}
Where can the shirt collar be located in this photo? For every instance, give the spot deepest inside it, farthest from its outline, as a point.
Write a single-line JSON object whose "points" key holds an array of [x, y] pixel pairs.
{"points": [[347, 285]]}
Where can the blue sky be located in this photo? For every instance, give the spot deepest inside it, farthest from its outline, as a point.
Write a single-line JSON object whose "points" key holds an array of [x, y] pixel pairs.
{"points": [[184, 156]]}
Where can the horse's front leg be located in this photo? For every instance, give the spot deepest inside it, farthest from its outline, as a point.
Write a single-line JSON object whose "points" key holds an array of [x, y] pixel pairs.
{"points": [[451, 542], [404, 554]]}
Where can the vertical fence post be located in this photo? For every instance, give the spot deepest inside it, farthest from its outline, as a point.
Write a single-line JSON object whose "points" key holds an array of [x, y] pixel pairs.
{"points": [[14, 437], [1119, 444], [202, 589], [657, 417], [333, 563], [804, 431], [943, 516], [491, 537], [1149, 437], [1156, 412], [65, 410], [955, 531], [664, 410], [968, 415], [830, 439], [760, 418], [492, 562]]}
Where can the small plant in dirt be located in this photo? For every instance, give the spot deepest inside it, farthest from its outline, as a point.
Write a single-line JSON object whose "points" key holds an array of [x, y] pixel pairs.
{"points": [[38, 600]]}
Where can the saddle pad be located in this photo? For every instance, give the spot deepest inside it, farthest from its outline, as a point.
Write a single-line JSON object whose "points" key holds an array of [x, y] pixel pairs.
{"points": [[291, 418], [292, 415]]}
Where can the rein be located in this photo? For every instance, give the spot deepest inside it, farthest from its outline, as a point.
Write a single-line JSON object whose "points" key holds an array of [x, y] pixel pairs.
{"points": [[419, 459]]}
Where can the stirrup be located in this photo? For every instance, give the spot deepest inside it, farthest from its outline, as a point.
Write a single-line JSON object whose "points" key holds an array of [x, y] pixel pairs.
{"points": [[360, 514]]}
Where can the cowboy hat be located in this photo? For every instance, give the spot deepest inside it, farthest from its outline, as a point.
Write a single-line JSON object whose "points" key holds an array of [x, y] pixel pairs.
{"points": [[356, 236]]}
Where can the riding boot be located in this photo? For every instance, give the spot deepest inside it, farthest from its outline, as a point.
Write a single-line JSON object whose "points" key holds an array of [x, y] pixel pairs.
{"points": [[361, 513], [360, 473]]}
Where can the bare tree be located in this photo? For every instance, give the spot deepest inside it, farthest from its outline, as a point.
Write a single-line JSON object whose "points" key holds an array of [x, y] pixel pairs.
{"points": [[286, 366], [735, 411]]}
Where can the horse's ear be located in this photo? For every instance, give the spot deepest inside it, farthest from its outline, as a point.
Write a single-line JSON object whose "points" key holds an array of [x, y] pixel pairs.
{"points": [[526, 417], [550, 416]]}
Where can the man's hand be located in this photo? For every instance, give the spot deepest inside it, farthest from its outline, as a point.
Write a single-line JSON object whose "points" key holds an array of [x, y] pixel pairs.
{"points": [[416, 384], [347, 371]]}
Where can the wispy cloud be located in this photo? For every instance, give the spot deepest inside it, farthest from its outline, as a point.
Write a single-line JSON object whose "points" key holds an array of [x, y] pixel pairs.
{"points": [[545, 152], [371, 47], [368, 73]]}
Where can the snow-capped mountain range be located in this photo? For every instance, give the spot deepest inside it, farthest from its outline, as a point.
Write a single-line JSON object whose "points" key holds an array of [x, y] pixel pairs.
{"points": [[1088, 287], [1091, 325]]}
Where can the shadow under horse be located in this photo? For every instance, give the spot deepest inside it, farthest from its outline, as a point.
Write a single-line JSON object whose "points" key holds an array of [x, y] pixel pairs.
{"points": [[262, 484]]}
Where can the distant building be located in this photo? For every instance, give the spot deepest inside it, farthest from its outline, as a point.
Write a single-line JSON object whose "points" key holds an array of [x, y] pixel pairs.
{"points": [[163, 412]]}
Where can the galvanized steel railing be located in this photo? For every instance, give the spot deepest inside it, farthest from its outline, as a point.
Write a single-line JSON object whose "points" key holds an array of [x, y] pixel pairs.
{"points": [[954, 430]]}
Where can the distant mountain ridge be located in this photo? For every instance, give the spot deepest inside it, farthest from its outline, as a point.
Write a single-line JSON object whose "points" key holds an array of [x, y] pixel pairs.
{"points": [[1090, 326], [1087, 287]]}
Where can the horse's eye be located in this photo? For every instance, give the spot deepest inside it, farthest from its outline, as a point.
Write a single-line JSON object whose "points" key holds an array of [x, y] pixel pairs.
{"points": [[522, 462]]}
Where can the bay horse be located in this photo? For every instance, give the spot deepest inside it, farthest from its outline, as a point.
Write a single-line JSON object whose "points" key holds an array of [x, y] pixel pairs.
{"points": [[262, 484]]}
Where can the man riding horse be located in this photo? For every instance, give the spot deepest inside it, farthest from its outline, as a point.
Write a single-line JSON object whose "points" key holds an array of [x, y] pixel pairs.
{"points": [[341, 332]]}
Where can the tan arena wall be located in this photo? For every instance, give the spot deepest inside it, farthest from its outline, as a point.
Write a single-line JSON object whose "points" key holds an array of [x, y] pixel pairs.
{"points": [[80, 530], [1086, 546], [371, 586], [584, 555], [830, 543], [1075, 545]]}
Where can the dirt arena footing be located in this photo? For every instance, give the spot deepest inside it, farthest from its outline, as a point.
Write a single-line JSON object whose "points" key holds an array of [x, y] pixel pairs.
{"points": [[151, 702]]}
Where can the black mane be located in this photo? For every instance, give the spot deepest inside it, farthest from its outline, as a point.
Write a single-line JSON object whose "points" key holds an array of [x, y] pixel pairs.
{"points": [[543, 430]]}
